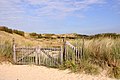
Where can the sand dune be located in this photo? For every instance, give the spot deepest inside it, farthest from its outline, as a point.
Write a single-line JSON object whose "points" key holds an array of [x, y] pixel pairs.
{"points": [[32, 72]]}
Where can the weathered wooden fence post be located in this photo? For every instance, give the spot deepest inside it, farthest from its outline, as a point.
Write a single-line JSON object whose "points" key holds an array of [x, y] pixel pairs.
{"points": [[76, 50], [36, 55], [39, 51], [14, 52], [64, 50], [61, 55], [82, 50]]}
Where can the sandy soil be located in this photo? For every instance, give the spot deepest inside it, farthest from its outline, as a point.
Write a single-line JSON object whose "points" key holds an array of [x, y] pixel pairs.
{"points": [[32, 72]]}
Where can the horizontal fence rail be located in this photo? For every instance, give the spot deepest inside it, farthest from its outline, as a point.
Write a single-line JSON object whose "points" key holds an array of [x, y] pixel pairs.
{"points": [[28, 48]]}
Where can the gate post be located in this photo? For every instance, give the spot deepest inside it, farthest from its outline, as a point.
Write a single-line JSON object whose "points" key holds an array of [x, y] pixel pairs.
{"points": [[82, 48], [36, 55], [61, 55], [39, 54], [64, 49], [14, 52]]}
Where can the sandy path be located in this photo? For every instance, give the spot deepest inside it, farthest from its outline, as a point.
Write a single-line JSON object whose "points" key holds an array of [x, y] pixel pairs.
{"points": [[32, 72]]}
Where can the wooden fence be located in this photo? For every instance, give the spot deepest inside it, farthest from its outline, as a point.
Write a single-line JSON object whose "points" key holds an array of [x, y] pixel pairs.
{"points": [[47, 56], [73, 53], [38, 56]]}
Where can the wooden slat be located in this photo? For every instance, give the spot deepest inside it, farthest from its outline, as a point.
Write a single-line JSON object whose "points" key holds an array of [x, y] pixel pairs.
{"points": [[52, 49], [49, 56], [74, 48], [28, 48], [25, 56], [25, 48]]}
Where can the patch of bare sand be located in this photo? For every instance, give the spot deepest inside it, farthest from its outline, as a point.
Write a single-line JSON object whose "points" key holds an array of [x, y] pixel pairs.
{"points": [[32, 72]]}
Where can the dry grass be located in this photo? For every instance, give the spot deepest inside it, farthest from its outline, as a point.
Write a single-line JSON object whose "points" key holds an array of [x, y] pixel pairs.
{"points": [[102, 53], [27, 41]]}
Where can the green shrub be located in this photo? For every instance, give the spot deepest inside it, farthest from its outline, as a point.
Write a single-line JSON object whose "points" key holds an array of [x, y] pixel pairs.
{"points": [[9, 31], [33, 34], [6, 29], [39, 36], [19, 32], [48, 36], [71, 65]]}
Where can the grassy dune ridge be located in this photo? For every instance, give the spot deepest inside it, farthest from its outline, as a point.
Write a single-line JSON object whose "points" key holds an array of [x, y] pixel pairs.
{"points": [[99, 54]]}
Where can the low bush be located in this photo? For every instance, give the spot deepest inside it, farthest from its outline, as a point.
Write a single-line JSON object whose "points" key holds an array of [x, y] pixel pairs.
{"points": [[6, 29], [19, 32]]}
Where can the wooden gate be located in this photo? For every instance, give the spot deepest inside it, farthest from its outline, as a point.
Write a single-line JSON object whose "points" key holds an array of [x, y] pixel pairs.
{"points": [[38, 55], [47, 56]]}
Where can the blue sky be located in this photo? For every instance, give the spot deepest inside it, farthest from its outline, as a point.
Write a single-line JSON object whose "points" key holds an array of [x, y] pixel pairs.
{"points": [[61, 16]]}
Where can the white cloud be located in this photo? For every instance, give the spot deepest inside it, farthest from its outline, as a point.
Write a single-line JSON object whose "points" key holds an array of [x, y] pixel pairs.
{"points": [[63, 7], [8, 9], [54, 8]]}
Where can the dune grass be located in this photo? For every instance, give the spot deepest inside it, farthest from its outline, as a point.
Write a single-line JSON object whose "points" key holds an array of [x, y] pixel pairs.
{"points": [[98, 54], [5, 51]]}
